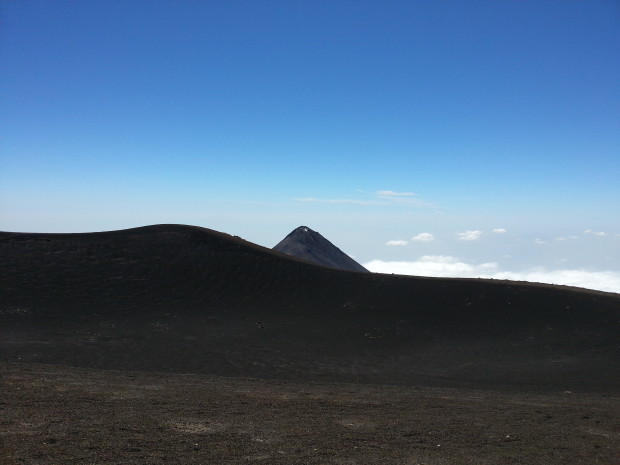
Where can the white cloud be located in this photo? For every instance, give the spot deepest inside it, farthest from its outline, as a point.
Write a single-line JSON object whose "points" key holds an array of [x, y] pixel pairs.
{"points": [[394, 194], [397, 243], [596, 233], [423, 237], [600, 280], [385, 198], [341, 201], [401, 198], [431, 265], [539, 241], [469, 235], [500, 231], [567, 238], [451, 267]]}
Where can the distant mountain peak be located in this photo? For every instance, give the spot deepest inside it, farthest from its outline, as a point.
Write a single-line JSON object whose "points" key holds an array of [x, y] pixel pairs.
{"points": [[300, 230], [309, 245]]}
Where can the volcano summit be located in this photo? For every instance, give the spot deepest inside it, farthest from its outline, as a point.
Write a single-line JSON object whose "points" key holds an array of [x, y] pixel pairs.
{"points": [[309, 245]]}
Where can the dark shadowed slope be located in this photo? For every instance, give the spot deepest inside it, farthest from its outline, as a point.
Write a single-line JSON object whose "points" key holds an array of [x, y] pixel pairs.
{"points": [[187, 299], [309, 245]]}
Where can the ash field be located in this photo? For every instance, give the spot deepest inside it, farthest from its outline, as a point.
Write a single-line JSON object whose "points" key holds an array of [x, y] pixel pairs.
{"points": [[179, 344]]}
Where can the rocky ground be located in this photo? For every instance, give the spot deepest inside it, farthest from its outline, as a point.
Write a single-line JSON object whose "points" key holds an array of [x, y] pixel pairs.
{"points": [[60, 415]]}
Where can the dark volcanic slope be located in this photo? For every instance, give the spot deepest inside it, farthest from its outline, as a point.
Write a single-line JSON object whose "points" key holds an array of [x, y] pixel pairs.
{"points": [[309, 245], [187, 299]]}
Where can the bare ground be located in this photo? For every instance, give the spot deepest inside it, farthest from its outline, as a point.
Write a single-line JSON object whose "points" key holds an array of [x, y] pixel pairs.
{"points": [[61, 415]]}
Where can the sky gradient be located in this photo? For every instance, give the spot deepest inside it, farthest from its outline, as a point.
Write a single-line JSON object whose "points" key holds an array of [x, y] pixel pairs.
{"points": [[404, 132]]}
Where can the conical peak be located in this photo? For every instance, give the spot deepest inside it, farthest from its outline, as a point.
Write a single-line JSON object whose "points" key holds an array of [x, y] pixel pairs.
{"points": [[302, 229], [303, 232], [306, 235], [305, 243]]}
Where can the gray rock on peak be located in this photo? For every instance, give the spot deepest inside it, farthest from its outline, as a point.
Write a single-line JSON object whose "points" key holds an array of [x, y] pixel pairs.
{"points": [[309, 245]]}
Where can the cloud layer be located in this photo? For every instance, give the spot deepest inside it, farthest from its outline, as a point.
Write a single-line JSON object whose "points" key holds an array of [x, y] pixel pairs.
{"points": [[451, 267]]}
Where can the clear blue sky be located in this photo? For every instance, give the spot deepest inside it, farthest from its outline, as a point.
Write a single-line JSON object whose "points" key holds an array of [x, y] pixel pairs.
{"points": [[253, 117]]}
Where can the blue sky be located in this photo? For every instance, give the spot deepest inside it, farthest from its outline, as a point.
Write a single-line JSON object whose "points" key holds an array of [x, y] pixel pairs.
{"points": [[371, 122]]}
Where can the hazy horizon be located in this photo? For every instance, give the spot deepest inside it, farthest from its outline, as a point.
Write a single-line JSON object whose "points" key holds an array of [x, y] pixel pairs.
{"points": [[464, 139]]}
